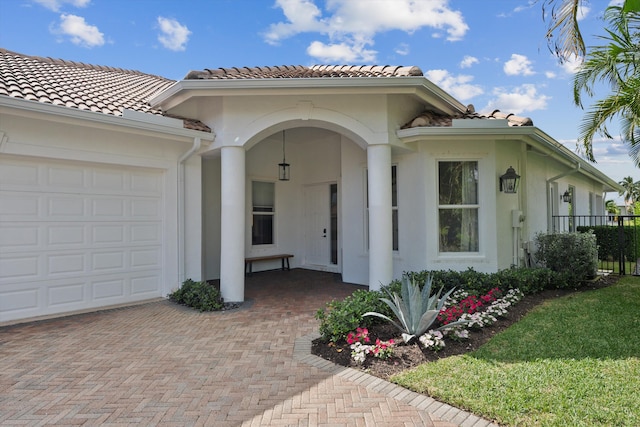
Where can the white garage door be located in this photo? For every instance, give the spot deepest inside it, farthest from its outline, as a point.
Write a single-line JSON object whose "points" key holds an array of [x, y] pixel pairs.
{"points": [[76, 236]]}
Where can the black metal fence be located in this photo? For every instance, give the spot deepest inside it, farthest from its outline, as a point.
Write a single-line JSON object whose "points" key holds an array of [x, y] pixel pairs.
{"points": [[618, 238]]}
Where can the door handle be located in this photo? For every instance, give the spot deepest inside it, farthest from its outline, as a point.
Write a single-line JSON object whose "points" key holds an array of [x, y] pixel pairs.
{"points": [[324, 232]]}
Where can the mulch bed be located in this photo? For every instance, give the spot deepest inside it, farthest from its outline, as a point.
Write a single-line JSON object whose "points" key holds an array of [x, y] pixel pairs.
{"points": [[409, 356]]}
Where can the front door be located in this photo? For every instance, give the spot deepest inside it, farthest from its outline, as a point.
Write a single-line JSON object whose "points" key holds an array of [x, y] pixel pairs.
{"points": [[321, 227]]}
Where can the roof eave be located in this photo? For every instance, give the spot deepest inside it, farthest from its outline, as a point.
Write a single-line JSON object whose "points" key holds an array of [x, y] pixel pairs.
{"points": [[419, 87], [530, 134], [105, 119]]}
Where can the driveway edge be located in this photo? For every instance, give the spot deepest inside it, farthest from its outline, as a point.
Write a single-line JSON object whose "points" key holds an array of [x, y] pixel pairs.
{"points": [[437, 410]]}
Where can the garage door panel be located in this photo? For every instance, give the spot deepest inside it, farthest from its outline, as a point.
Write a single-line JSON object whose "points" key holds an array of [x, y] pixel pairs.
{"points": [[16, 236], [67, 294], [65, 263], [60, 236], [144, 258], [18, 175], [108, 233], [66, 178], [16, 207], [76, 236], [146, 233], [23, 266], [145, 286], [105, 261], [15, 303], [146, 183]]}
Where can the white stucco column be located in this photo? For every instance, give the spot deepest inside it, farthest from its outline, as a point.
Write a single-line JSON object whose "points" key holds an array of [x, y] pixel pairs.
{"points": [[232, 217], [380, 221]]}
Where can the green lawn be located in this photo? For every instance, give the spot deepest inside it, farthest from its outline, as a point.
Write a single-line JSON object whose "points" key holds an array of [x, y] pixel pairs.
{"points": [[614, 266], [574, 361]]}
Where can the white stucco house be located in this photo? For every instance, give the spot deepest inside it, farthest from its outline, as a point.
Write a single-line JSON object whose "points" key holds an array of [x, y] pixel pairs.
{"points": [[116, 186]]}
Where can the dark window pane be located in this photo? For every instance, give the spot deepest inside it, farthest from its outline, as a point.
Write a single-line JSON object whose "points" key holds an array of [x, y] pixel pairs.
{"points": [[394, 219], [459, 230], [458, 183], [262, 230]]}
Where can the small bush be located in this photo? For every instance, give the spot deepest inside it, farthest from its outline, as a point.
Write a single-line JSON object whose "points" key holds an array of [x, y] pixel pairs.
{"points": [[574, 256], [528, 280], [340, 317], [198, 295]]}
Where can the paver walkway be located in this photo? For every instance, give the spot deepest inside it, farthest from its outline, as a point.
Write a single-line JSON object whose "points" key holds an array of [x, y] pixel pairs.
{"points": [[162, 364]]}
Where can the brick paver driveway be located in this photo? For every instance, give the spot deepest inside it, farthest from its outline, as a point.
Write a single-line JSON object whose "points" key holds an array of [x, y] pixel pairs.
{"points": [[162, 364]]}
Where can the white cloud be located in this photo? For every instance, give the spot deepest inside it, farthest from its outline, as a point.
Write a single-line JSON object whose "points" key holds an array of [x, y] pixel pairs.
{"points": [[519, 100], [550, 74], [572, 65], [583, 11], [518, 65], [403, 49], [356, 22], [55, 5], [459, 87], [173, 35], [468, 61], [79, 31], [340, 52]]}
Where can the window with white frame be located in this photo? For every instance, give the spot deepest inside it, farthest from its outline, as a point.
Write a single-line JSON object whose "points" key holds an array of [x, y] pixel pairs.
{"points": [[263, 201], [458, 206]]}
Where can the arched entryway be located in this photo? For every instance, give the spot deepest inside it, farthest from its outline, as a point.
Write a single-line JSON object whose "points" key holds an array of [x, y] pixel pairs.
{"points": [[339, 189]]}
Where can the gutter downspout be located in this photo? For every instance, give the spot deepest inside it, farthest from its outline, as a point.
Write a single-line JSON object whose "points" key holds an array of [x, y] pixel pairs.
{"points": [[549, 181], [197, 142]]}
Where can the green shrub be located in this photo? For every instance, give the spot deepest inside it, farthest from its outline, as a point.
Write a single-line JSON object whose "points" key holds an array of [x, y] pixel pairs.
{"points": [[528, 280], [340, 317], [608, 240], [574, 256], [198, 295]]}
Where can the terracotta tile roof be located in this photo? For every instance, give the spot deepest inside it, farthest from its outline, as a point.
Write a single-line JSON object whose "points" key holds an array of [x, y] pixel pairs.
{"points": [[100, 89], [433, 119], [301, 71]]}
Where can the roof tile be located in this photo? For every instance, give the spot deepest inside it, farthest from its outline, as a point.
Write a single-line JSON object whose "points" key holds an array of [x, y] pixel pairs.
{"points": [[106, 90], [433, 119], [301, 71]]}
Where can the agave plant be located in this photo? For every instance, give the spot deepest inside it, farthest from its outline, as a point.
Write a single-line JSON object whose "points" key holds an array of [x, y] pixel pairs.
{"points": [[415, 309]]}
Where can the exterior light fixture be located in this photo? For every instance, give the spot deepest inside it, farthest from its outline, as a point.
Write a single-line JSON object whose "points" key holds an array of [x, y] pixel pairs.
{"points": [[566, 197], [284, 170], [509, 181]]}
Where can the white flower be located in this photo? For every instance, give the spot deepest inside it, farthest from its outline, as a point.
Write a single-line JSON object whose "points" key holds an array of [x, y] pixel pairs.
{"points": [[433, 340]]}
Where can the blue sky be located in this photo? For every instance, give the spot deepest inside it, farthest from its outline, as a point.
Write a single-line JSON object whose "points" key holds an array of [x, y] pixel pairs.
{"points": [[492, 54]]}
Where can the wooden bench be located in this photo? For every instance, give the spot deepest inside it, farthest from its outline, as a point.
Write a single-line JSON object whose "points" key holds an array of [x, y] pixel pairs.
{"points": [[248, 262]]}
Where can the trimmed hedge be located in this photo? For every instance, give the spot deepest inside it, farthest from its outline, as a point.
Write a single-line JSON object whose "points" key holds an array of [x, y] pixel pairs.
{"points": [[607, 239]]}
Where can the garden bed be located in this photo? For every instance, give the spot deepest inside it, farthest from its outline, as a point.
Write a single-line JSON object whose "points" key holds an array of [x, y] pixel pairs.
{"points": [[409, 356]]}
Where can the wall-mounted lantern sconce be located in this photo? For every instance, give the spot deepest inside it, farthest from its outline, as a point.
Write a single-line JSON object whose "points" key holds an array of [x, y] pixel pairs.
{"points": [[284, 170], [509, 181], [566, 197]]}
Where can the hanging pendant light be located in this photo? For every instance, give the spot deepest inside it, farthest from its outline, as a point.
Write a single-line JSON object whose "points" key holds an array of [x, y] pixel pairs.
{"points": [[284, 170]]}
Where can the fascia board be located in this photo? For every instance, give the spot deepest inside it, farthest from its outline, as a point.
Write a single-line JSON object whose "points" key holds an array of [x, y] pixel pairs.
{"points": [[546, 141], [415, 86], [11, 105], [529, 134]]}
